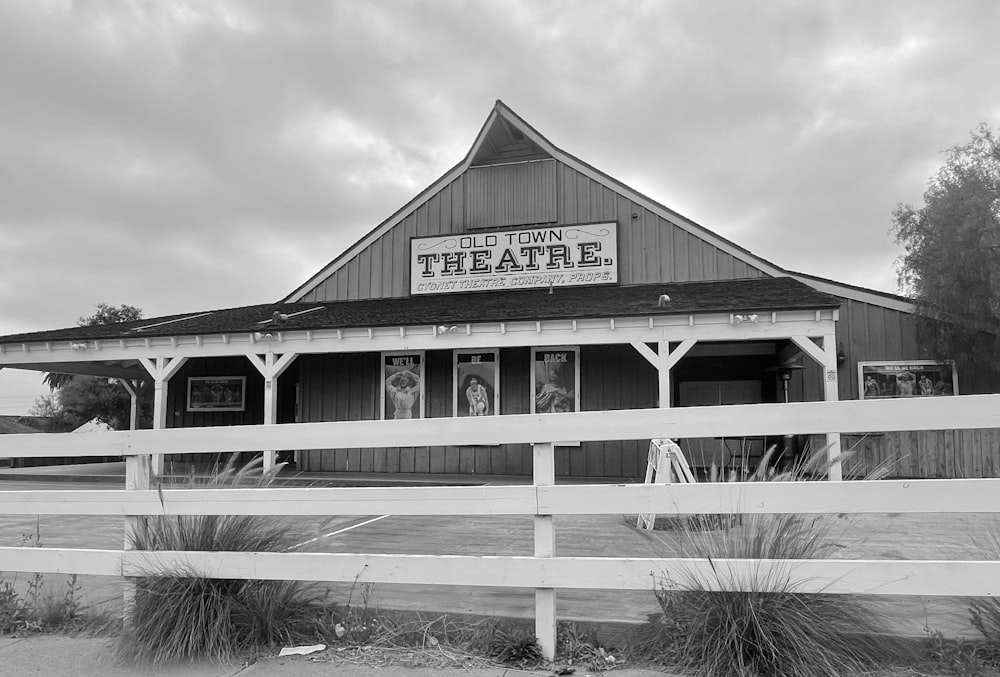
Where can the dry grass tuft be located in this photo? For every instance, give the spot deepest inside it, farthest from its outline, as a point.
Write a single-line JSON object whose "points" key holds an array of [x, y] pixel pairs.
{"points": [[179, 615], [767, 627]]}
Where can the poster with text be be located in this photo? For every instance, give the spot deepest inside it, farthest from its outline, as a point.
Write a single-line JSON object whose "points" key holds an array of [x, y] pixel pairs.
{"points": [[477, 381]]}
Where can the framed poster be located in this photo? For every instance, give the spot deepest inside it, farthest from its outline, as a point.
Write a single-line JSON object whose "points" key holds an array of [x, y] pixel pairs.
{"points": [[476, 383], [216, 393], [555, 376], [403, 385], [915, 378]]}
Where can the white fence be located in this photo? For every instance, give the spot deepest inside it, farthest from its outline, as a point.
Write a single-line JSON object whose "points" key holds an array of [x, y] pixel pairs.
{"points": [[545, 572]]}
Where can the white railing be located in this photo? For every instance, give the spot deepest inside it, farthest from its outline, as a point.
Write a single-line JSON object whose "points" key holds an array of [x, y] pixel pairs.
{"points": [[545, 572]]}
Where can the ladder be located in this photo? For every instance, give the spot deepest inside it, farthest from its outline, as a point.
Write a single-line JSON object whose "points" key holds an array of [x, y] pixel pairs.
{"points": [[664, 463]]}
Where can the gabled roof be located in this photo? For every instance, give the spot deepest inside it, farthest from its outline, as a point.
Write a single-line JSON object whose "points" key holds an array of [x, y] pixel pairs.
{"points": [[856, 293], [500, 134], [686, 298], [506, 137]]}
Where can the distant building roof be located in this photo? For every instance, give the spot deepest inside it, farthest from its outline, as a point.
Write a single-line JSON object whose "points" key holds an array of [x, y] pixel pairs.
{"points": [[11, 425]]}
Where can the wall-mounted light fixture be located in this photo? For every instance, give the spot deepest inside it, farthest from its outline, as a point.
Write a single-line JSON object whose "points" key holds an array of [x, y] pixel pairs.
{"points": [[662, 301], [78, 346], [745, 318], [259, 336], [445, 329]]}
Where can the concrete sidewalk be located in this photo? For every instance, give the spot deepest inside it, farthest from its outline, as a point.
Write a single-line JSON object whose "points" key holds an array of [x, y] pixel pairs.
{"points": [[62, 656]]}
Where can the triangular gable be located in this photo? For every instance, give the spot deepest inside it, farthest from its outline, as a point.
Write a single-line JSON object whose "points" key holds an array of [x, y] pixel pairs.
{"points": [[504, 134], [504, 138], [501, 141]]}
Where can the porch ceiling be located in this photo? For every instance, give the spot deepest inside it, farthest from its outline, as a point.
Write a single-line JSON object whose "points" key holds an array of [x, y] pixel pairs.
{"points": [[127, 369]]}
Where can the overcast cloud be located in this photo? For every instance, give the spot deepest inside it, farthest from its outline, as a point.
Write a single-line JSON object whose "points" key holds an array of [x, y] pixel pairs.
{"points": [[183, 156]]}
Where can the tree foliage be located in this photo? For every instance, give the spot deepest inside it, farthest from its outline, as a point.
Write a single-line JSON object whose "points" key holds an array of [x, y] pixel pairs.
{"points": [[108, 314], [951, 264], [78, 399], [84, 398], [105, 314]]}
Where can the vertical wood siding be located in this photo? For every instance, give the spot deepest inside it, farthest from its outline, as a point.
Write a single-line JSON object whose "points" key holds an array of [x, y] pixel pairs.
{"points": [[926, 454], [345, 387], [872, 333], [179, 417], [651, 248], [511, 194], [613, 377]]}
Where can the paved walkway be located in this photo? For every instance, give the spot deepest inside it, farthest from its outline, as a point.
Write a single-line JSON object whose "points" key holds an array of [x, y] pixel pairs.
{"points": [[60, 656]]}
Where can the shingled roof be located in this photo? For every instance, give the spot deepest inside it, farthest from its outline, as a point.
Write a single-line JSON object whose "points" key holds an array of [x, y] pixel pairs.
{"points": [[686, 298]]}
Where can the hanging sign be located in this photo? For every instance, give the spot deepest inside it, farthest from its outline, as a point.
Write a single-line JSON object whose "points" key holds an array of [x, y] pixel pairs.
{"points": [[558, 256]]}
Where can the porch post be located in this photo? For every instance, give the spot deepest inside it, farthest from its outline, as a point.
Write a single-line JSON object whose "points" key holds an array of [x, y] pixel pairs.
{"points": [[271, 367], [132, 387], [827, 359], [831, 394], [663, 373], [161, 371], [666, 361]]}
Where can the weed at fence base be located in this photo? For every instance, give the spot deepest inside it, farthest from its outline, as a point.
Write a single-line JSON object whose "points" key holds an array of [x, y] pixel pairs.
{"points": [[179, 615], [42, 607], [755, 622]]}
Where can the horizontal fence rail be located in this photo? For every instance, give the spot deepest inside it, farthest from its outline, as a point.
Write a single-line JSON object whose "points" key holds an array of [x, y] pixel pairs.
{"points": [[544, 572], [745, 420], [952, 578], [860, 497]]}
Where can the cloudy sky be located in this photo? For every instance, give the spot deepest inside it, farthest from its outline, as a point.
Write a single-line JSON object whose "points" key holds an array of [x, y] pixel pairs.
{"points": [[183, 156]]}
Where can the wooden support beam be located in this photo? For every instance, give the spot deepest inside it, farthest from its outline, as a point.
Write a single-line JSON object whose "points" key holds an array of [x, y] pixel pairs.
{"points": [[810, 349], [680, 351], [161, 370], [271, 367], [132, 388], [646, 352], [666, 360]]}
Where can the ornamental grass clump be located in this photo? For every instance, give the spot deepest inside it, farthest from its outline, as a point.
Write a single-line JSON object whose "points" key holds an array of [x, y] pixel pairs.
{"points": [[985, 611], [181, 615], [729, 621]]}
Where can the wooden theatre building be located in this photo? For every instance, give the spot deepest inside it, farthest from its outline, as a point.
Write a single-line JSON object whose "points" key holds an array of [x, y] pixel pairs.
{"points": [[523, 280]]}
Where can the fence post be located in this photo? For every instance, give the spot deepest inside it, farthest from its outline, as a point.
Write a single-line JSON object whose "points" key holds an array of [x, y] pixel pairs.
{"points": [[544, 474], [137, 476]]}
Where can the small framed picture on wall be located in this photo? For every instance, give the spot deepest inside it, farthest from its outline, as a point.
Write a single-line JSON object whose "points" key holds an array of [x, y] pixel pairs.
{"points": [[403, 385], [476, 383], [216, 393], [916, 378]]}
